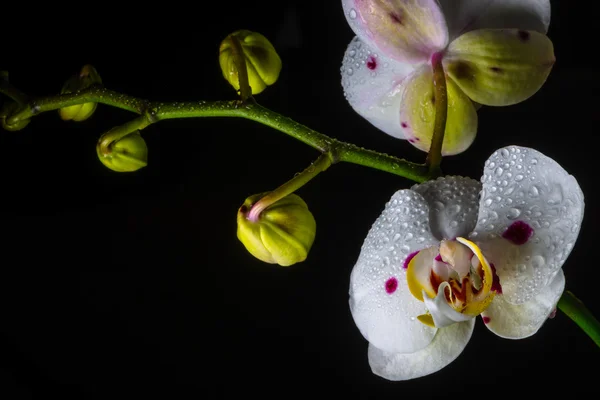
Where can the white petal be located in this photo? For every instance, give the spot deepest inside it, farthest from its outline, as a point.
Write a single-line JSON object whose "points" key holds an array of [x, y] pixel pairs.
{"points": [[453, 205], [460, 14], [523, 187], [406, 30], [373, 86], [514, 14], [443, 315], [388, 320], [520, 321], [446, 346]]}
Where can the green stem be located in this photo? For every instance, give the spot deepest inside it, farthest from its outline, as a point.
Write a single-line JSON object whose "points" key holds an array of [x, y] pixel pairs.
{"points": [[577, 311], [321, 164], [240, 64], [154, 111], [434, 158]]}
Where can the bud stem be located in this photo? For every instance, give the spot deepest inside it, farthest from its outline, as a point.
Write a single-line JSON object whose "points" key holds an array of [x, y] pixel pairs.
{"points": [[321, 164], [240, 64], [434, 157], [155, 111]]}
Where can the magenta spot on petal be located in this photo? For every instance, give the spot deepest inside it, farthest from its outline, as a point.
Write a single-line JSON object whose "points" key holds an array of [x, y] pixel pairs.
{"points": [[412, 140], [486, 320], [518, 232], [371, 63], [417, 139], [391, 285], [410, 257], [439, 258], [496, 286], [396, 18], [404, 125], [523, 35]]}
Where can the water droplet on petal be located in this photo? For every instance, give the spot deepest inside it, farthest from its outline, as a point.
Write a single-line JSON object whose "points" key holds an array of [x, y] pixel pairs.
{"points": [[352, 13], [514, 213]]}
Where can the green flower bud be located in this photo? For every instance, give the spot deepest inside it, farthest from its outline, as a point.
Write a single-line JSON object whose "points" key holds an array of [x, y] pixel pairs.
{"points": [[86, 78], [283, 233], [8, 110], [125, 155], [262, 61]]}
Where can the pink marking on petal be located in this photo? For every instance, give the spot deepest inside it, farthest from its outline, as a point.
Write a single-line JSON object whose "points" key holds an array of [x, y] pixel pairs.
{"points": [[371, 63], [404, 125], [410, 257], [391, 285], [518, 232], [496, 286], [439, 258], [486, 320], [552, 314], [396, 18]]}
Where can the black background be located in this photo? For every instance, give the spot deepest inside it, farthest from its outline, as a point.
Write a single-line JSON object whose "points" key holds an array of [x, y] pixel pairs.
{"points": [[135, 284]]}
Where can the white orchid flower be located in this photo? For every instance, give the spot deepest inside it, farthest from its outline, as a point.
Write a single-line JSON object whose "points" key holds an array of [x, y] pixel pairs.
{"points": [[494, 52], [447, 250]]}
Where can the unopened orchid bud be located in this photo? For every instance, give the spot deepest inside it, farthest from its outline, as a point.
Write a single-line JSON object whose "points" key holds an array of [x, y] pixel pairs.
{"points": [[7, 111], [282, 233], [261, 59], [86, 78], [125, 155]]}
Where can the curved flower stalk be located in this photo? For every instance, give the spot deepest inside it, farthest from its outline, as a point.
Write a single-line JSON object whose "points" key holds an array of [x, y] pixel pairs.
{"points": [[495, 53], [450, 249]]}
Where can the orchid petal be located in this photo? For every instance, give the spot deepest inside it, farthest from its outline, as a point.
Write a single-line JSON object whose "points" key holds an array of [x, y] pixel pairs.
{"points": [[418, 273], [373, 86], [529, 219], [506, 14], [520, 321], [407, 30], [462, 14], [446, 346], [500, 67], [417, 114], [453, 205], [378, 282]]}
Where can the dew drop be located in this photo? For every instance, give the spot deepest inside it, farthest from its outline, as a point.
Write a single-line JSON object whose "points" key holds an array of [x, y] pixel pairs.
{"points": [[519, 178], [537, 262], [514, 213], [534, 191], [352, 13]]}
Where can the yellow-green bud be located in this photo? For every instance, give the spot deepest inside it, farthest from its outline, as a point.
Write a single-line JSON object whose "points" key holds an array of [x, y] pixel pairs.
{"points": [[8, 110], [125, 155], [86, 78], [283, 233], [262, 61]]}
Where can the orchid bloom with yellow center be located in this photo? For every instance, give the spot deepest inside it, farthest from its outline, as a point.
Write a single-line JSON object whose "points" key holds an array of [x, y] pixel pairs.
{"points": [[447, 250], [494, 52]]}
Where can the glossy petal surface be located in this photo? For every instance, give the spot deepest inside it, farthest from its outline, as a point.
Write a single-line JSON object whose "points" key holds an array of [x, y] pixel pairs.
{"points": [[417, 114], [500, 67], [446, 346], [520, 321], [383, 308], [530, 196], [406, 30]]}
